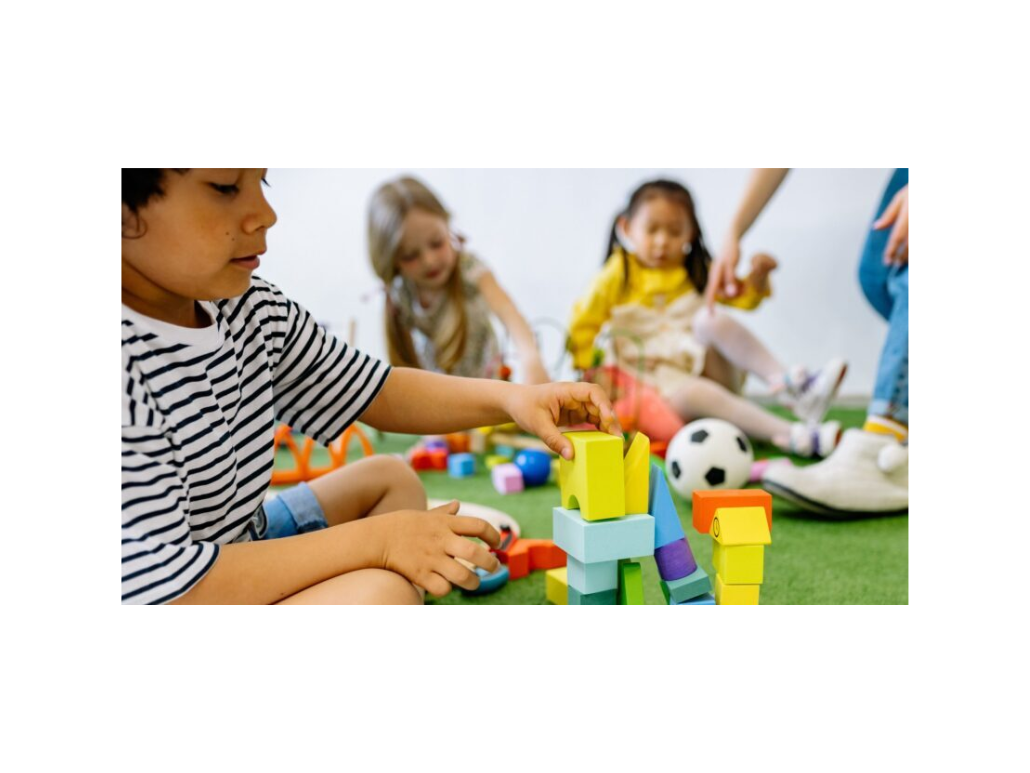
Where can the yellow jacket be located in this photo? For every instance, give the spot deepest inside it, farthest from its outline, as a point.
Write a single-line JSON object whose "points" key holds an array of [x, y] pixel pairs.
{"points": [[651, 287]]}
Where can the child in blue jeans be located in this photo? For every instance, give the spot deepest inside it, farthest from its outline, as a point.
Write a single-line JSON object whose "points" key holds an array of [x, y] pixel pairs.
{"points": [[212, 356]]}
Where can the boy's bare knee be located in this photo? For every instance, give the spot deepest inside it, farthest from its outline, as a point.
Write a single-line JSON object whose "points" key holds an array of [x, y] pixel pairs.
{"points": [[382, 586], [404, 485]]}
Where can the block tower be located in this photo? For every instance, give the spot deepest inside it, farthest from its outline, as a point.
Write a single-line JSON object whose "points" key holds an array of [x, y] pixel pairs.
{"points": [[683, 581], [603, 521], [740, 524]]}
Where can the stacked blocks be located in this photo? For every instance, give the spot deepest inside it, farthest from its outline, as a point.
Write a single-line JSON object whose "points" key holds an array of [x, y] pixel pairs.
{"points": [[593, 525], [682, 578], [594, 480], [507, 478], [461, 465], [740, 523]]}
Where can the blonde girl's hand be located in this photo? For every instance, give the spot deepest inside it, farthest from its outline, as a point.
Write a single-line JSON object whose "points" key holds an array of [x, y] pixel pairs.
{"points": [[722, 275], [896, 214], [541, 410], [425, 547]]}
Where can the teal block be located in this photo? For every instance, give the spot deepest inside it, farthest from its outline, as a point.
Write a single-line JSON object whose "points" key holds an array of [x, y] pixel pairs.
{"points": [[592, 542], [708, 598], [591, 578], [686, 588], [601, 597], [659, 503]]}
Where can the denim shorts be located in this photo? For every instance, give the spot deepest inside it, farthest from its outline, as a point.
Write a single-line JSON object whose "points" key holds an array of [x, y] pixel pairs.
{"points": [[295, 511]]}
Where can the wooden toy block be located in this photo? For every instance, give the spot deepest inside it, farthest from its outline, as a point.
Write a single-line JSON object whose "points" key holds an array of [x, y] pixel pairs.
{"points": [[705, 599], [686, 588], [591, 542], [636, 468], [529, 555], [667, 526], [493, 460], [507, 478], [740, 526], [735, 594], [739, 564], [707, 502], [505, 451], [458, 442], [461, 465], [478, 441], [435, 443], [675, 560], [595, 577], [557, 585], [420, 459], [601, 597], [593, 481], [631, 583], [438, 459]]}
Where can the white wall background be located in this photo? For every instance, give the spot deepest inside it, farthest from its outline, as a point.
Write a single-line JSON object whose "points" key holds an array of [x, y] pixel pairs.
{"points": [[544, 231]]}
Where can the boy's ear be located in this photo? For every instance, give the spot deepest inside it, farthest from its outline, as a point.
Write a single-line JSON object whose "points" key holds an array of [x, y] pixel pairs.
{"points": [[132, 224]]}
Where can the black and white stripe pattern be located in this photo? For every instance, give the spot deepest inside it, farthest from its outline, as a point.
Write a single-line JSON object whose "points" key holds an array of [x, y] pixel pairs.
{"points": [[198, 413]]}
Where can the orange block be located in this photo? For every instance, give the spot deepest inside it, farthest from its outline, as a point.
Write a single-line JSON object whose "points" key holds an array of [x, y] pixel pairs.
{"points": [[530, 555], [458, 442], [438, 459], [707, 502]]}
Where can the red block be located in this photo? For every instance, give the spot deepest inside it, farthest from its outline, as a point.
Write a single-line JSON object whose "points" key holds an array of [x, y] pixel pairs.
{"points": [[438, 459], [530, 555]]}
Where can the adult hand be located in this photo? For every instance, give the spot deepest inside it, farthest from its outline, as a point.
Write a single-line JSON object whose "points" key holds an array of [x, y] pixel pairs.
{"points": [[425, 547], [542, 409], [896, 214], [722, 275]]}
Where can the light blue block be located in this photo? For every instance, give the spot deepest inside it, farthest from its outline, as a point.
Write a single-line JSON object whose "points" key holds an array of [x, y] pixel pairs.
{"points": [[505, 451], [461, 465], [659, 503], [601, 597], [708, 598], [591, 578], [592, 542], [687, 588]]}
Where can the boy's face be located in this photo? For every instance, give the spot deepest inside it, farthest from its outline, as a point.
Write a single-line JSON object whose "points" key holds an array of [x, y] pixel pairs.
{"points": [[199, 241]]}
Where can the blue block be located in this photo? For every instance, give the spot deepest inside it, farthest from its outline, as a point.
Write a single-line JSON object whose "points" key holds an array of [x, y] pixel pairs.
{"points": [[686, 588], [708, 598], [593, 542], [659, 503], [591, 578], [601, 597], [461, 465], [505, 451]]}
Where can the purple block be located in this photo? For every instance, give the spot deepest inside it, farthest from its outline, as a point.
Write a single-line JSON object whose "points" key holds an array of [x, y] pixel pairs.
{"points": [[675, 560], [507, 478], [435, 444]]}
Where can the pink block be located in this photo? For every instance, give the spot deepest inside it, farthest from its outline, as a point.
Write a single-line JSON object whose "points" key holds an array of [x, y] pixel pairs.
{"points": [[507, 479]]}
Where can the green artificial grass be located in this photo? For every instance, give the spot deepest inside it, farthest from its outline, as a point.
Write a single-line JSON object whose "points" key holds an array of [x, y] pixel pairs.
{"points": [[811, 560]]}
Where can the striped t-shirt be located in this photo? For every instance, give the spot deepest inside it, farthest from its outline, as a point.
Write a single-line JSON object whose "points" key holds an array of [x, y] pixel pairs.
{"points": [[198, 412]]}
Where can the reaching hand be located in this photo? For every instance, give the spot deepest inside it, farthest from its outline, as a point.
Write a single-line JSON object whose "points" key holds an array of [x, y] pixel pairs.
{"points": [[896, 214], [424, 547], [541, 410], [722, 275]]}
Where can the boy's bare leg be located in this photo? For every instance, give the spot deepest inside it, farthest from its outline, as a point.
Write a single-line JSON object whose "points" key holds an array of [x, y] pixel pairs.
{"points": [[378, 484]]}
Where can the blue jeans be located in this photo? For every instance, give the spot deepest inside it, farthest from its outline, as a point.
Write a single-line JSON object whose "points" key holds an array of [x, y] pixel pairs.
{"points": [[886, 288], [295, 511]]}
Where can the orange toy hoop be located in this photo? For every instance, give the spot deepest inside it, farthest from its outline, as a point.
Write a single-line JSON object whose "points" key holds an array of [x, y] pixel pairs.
{"points": [[302, 470]]}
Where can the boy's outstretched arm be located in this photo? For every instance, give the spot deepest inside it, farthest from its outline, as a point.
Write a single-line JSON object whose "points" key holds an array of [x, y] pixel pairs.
{"points": [[420, 402]]}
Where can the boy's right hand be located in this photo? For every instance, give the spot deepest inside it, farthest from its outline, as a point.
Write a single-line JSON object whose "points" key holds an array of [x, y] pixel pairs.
{"points": [[422, 546]]}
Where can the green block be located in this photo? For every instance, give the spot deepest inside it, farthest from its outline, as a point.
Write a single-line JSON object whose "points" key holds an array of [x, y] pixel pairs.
{"points": [[601, 597], [631, 583], [686, 588]]}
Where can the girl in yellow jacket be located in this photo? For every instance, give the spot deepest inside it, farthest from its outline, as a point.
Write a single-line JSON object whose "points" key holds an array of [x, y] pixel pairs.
{"points": [[649, 294]]}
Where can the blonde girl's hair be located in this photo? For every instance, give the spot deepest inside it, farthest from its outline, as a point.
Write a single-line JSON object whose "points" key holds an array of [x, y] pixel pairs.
{"points": [[390, 204]]}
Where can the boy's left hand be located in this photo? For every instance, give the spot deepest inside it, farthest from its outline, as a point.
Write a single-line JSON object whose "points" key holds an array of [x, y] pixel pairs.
{"points": [[542, 409]]}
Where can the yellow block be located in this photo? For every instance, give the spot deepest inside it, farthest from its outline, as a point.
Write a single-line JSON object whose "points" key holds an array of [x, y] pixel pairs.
{"points": [[558, 585], [637, 466], [739, 564], [494, 459], [735, 594], [740, 526], [593, 482]]}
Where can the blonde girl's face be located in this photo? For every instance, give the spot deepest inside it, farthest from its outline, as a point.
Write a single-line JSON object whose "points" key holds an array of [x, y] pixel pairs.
{"points": [[660, 231], [426, 255]]}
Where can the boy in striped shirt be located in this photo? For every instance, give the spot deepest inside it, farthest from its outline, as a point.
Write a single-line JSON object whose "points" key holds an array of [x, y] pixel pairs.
{"points": [[212, 356]]}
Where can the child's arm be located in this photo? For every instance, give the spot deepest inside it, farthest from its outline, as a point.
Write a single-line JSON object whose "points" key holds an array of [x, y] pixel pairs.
{"points": [[421, 402], [756, 287], [417, 545], [503, 306], [592, 310]]}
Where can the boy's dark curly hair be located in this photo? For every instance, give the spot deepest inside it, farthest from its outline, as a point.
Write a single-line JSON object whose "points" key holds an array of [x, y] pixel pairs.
{"points": [[139, 186]]}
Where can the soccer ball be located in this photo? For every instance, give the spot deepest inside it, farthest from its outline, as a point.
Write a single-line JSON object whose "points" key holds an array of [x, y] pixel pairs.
{"points": [[707, 454]]}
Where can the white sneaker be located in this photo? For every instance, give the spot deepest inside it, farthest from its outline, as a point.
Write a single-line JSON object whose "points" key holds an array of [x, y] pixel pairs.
{"points": [[814, 441], [809, 395], [868, 473]]}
